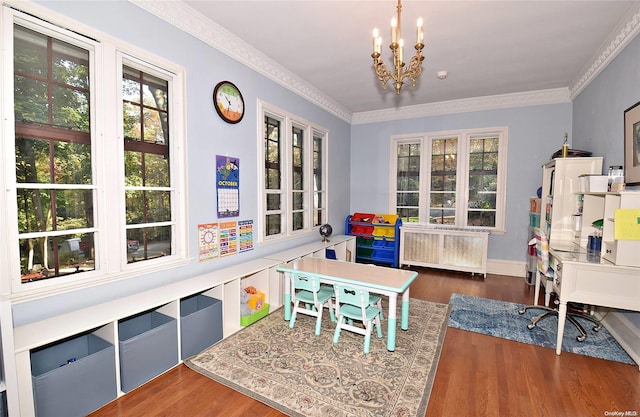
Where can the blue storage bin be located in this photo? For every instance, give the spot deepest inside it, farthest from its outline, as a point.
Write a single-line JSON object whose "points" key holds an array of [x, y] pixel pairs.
{"points": [[200, 324], [73, 377], [148, 346]]}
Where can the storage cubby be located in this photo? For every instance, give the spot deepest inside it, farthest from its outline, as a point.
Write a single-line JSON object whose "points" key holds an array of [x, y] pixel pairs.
{"points": [[561, 199], [616, 249], [74, 376], [377, 237], [142, 328], [148, 344], [200, 324]]}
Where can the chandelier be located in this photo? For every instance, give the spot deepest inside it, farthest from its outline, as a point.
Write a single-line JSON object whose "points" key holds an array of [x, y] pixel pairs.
{"points": [[399, 73]]}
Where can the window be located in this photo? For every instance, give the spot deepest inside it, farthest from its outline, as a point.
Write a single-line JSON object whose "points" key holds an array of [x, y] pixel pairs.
{"points": [[293, 188], [451, 179], [53, 167], [96, 173], [148, 190]]}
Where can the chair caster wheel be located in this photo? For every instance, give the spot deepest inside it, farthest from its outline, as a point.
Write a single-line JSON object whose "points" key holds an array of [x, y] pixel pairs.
{"points": [[530, 326], [522, 311], [581, 338], [597, 328]]}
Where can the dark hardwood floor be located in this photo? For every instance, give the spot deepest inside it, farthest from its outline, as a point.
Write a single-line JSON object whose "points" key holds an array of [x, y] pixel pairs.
{"points": [[477, 375]]}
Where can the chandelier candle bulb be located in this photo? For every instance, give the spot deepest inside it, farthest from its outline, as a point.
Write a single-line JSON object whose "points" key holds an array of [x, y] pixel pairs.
{"points": [[420, 23], [375, 40], [394, 34]]}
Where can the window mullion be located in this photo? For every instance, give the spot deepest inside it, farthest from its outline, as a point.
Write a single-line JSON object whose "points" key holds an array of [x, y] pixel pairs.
{"points": [[109, 176], [462, 181]]}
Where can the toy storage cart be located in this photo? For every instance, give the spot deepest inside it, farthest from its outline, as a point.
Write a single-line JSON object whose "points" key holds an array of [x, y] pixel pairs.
{"points": [[377, 237]]}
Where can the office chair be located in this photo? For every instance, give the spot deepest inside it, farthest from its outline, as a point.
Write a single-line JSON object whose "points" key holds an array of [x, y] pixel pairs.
{"points": [[546, 272]]}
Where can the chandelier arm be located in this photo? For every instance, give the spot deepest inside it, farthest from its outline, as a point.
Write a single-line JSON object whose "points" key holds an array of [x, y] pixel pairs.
{"points": [[382, 71], [414, 69]]}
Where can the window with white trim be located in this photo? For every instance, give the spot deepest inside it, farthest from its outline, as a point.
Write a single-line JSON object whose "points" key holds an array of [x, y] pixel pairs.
{"points": [[451, 179], [93, 158], [293, 192]]}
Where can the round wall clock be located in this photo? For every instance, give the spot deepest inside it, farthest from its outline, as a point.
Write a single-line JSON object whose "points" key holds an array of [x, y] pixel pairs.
{"points": [[228, 102]]}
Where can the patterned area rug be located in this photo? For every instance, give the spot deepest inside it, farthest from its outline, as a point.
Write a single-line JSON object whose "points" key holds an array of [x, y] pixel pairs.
{"points": [[501, 319], [301, 374]]}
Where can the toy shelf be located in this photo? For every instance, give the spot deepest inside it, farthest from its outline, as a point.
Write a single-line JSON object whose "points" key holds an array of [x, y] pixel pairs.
{"points": [[377, 237]]}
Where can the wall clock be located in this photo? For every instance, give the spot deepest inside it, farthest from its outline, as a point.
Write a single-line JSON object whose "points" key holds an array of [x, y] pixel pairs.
{"points": [[228, 101]]}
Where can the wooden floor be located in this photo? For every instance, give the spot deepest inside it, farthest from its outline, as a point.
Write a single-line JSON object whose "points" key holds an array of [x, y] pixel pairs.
{"points": [[477, 375]]}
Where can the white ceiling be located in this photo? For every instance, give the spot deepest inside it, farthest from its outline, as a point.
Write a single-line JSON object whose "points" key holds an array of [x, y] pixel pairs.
{"points": [[488, 47]]}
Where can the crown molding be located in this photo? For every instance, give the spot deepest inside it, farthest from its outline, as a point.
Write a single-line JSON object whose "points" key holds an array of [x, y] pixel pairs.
{"points": [[502, 101], [190, 21], [624, 33]]}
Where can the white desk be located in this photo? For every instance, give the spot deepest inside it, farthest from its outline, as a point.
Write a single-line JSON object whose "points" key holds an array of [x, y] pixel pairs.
{"points": [[580, 278], [377, 279]]}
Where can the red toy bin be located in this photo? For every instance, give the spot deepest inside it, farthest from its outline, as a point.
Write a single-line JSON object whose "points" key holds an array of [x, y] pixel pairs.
{"points": [[363, 217]]}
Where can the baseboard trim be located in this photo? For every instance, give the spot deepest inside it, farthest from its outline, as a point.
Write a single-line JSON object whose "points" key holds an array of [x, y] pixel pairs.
{"points": [[503, 267]]}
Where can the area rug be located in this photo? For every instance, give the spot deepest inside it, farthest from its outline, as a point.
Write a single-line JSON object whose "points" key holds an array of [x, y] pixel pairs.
{"points": [[501, 319], [301, 374]]}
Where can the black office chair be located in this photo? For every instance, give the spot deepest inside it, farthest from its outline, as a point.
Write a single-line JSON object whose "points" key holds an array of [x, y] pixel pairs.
{"points": [[574, 310]]}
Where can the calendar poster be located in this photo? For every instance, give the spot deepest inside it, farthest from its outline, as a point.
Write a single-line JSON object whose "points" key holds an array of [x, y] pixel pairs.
{"points": [[228, 186], [208, 245], [245, 234], [228, 238]]}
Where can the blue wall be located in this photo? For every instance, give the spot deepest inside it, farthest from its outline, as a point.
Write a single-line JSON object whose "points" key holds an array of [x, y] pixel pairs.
{"points": [[359, 154], [599, 114], [208, 136], [535, 133]]}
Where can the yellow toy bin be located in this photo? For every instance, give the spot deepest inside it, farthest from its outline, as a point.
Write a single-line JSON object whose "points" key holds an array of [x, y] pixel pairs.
{"points": [[256, 301]]}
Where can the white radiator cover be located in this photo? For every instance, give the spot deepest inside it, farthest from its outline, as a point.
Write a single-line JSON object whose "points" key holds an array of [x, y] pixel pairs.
{"points": [[459, 250]]}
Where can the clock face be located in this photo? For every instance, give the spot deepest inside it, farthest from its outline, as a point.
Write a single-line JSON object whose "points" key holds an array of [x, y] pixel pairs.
{"points": [[228, 102]]}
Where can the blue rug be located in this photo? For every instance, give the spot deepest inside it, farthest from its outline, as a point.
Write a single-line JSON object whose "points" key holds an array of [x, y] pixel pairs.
{"points": [[501, 319]]}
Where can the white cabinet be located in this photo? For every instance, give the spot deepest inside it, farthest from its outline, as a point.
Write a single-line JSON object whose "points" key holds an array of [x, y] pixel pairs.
{"points": [[223, 284], [560, 201]]}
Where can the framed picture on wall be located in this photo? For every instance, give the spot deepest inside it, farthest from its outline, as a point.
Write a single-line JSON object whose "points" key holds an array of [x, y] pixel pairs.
{"points": [[632, 144]]}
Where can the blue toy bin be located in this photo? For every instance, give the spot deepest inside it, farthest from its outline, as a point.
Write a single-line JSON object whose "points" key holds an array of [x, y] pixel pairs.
{"points": [[73, 377], [148, 347], [200, 323]]}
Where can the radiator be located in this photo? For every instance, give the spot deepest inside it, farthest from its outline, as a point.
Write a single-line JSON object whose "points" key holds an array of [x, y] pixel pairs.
{"points": [[459, 250]]}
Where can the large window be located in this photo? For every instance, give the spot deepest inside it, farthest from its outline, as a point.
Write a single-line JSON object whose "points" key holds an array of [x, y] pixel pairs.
{"points": [[148, 190], [293, 188], [451, 179], [92, 174]]}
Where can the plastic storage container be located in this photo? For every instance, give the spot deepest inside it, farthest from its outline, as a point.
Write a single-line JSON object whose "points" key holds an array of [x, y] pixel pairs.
{"points": [[73, 377], [148, 347]]}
